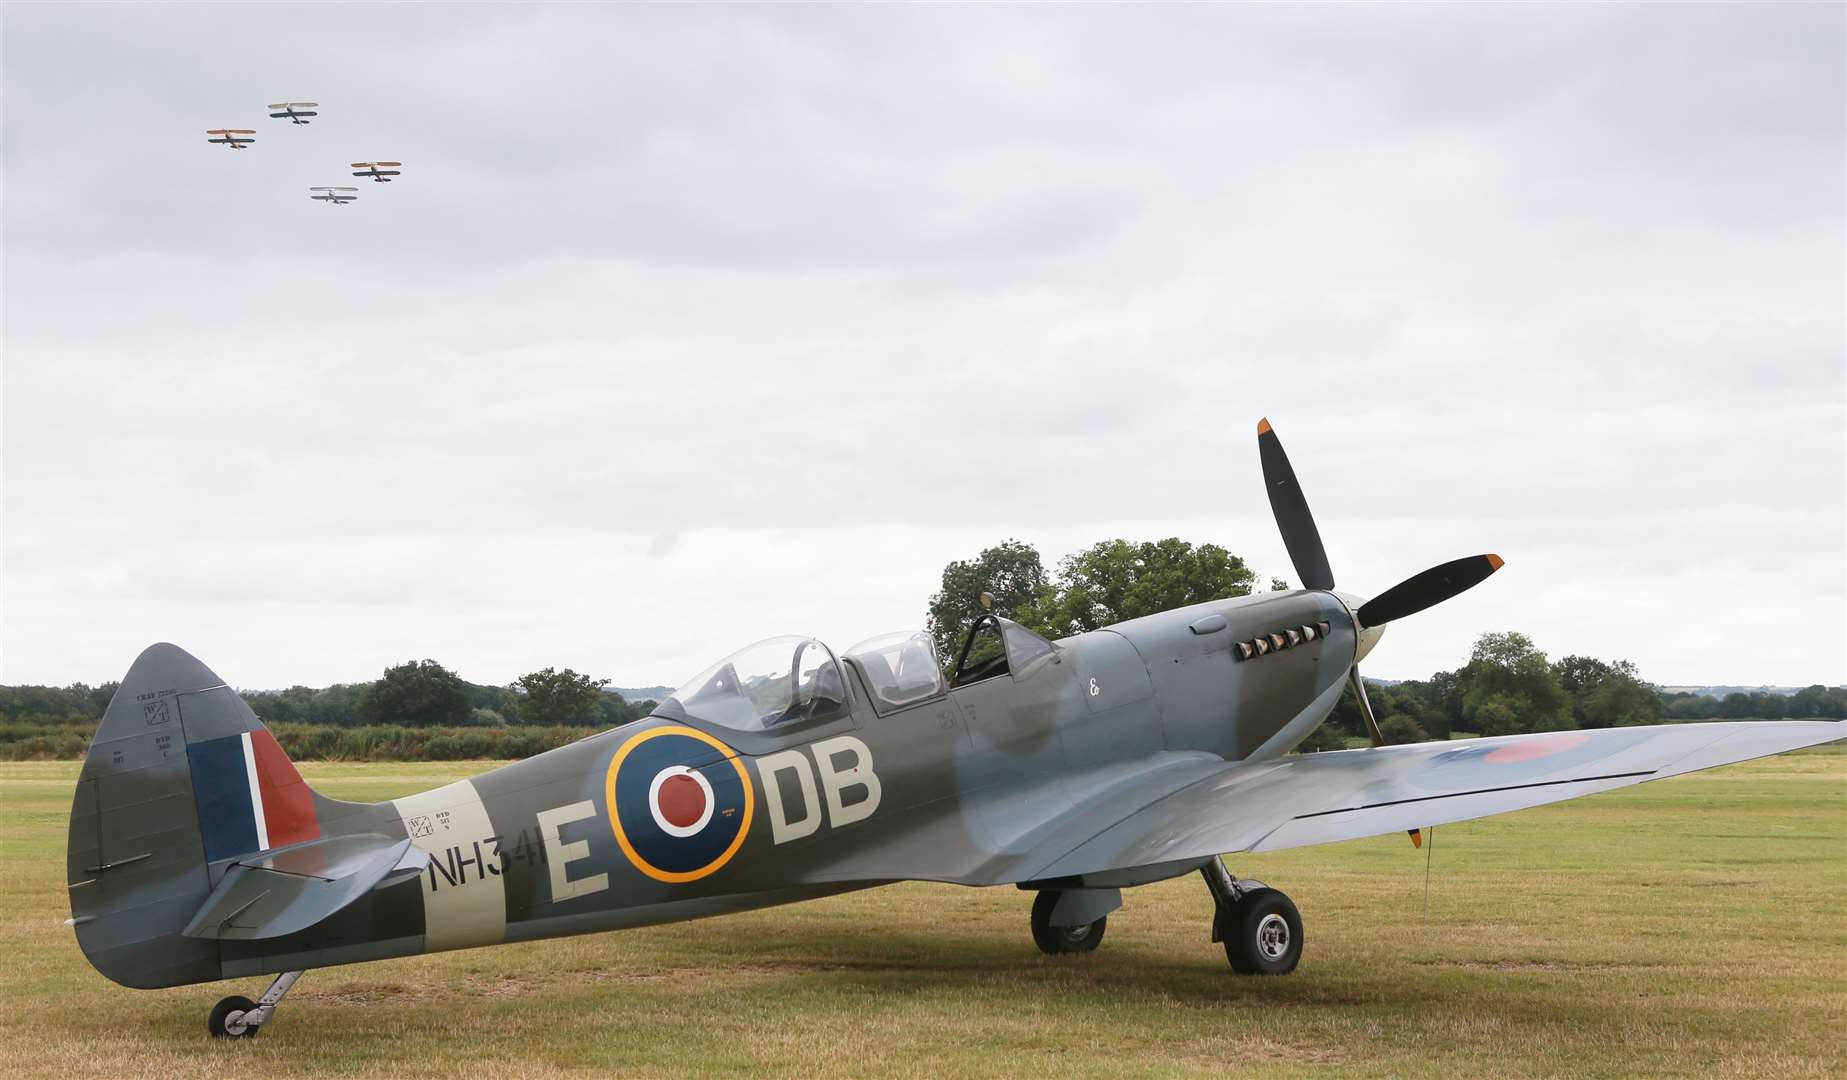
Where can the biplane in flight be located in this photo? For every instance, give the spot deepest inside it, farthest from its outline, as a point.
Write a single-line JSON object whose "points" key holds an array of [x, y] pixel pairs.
{"points": [[1072, 769], [295, 112], [234, 138], [334, 196], [379, 172]]}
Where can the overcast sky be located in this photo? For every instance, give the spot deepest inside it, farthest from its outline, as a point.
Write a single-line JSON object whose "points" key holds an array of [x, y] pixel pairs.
{"points": [[689, 326]]}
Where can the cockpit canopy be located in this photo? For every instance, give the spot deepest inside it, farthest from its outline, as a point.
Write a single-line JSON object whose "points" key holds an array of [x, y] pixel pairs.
{"points": [[777, 683], [899, 669], [782, 683]]}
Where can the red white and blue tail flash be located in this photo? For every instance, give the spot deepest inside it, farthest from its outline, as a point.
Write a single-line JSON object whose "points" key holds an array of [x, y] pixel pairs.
{"points": [[250, 796]]}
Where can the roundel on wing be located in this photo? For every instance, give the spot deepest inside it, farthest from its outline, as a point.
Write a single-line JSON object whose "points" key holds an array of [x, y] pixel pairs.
{"points": [[1520, 759], [679, 803]]}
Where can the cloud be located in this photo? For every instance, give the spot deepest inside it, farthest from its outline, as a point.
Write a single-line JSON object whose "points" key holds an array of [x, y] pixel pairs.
{"points": [[686, 324]]}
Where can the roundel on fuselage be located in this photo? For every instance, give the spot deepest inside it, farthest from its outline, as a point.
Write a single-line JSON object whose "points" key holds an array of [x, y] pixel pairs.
{"points": [[679, 803]]}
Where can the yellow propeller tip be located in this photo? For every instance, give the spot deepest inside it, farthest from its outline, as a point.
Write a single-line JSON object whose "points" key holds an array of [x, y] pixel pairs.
{"points": [[1496, 561], [1263, 426], [1417, 837]]}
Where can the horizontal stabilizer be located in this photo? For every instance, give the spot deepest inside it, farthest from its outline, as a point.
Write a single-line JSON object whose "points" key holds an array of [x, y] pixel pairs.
{"points": [[274, 893]]}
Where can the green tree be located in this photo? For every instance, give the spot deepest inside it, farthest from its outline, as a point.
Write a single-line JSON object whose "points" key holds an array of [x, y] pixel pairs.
{"points": [[1496, 717], [1581, 675], [1010, 571], [551, 696], [1510, 669], [1607, 695], [1117, 580], [1401, 729], [1739, 706], [1690, 706], [614, 710], [1621, 701], [418, 693], [1829, 702], [1322, 739]]}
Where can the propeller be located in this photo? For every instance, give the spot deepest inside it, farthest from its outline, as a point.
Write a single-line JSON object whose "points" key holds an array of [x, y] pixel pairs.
{"points": [[1408, 597]]}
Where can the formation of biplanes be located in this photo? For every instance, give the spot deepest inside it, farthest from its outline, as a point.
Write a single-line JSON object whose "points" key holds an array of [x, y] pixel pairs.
{"points": [[300, 114]]}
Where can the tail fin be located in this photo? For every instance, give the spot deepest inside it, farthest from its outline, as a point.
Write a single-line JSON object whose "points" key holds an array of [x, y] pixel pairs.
{"points": [[180, 779]]}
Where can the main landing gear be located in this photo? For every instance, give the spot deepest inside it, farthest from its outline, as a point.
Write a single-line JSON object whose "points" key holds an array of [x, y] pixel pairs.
{"points": [[237, 1017], [1260, 927], [1072, 920]]}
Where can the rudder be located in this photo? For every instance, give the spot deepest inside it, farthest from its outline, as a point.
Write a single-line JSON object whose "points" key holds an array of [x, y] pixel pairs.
{"points": [[180, 779]]}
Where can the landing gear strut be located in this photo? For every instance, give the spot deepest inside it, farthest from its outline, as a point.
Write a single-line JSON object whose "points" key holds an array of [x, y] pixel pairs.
{"points": [[1260, 927], [237, 1017]]}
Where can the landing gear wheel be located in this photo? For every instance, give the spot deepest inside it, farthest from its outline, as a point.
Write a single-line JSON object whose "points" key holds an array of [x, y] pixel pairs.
{"points": [[227, 1019], [1263, 934], [1058, 940]]}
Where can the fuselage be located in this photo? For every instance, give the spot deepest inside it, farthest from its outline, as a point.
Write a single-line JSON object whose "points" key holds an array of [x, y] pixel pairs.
{"points": [[963, 786]]}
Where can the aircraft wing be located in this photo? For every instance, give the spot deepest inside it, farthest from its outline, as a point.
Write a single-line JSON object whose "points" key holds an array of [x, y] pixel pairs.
{"points": [[1343, 795]]}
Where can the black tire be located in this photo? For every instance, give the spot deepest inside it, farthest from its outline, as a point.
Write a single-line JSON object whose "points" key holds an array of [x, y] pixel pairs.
{"points": [[1263, 934], [219, 1024], [1062, 940]]}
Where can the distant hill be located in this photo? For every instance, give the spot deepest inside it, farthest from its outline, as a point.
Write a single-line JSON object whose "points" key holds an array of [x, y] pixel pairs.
{"points": [[1721, 691], [635, 694]]}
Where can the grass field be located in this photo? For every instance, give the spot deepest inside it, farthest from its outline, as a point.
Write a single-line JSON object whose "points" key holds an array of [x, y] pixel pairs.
{"points": [[1696, 926]]}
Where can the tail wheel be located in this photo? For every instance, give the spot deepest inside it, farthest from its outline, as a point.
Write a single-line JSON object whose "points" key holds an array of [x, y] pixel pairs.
{"points": [[1263, 936], [1059, 940], [227, 1019]]}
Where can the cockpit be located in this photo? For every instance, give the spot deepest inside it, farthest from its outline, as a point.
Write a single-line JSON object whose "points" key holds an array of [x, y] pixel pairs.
{"points": [[784, 684], [776, 684], [899, 669]]}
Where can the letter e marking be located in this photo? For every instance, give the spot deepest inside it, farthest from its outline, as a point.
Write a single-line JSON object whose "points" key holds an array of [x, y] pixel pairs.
{"points": [[559, 854]]}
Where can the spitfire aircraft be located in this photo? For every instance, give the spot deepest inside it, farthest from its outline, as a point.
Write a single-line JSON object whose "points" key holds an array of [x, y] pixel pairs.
{"points": [[334, 196], [295, 112], [1072, 769], [232, 138], [381, 172]]}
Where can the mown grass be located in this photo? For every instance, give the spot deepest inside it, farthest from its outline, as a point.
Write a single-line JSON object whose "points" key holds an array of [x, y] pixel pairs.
{"points": [[1696, 926]]}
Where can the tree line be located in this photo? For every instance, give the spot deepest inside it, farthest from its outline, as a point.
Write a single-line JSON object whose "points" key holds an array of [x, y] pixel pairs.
{"points": [[1507, 686], [414, 694]]}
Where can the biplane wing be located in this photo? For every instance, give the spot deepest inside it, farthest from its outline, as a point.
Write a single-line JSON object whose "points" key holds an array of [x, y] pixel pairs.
{"points": [[380, 171]]}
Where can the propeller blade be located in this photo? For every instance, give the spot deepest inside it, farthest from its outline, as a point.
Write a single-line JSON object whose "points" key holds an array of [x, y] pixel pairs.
{"points": [[1293, 519], [1431, 587]]}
